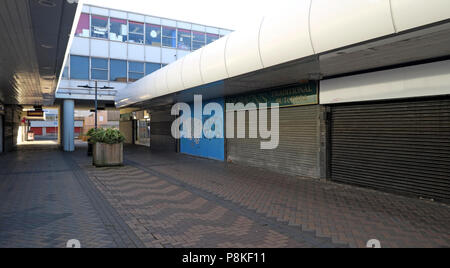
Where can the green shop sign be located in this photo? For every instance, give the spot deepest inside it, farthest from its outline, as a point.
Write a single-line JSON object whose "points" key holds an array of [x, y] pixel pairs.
{"points": [[305, 94]]}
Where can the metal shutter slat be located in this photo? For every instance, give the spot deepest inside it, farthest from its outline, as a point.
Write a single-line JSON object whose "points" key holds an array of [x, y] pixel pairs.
{"points": [[401, 146]]}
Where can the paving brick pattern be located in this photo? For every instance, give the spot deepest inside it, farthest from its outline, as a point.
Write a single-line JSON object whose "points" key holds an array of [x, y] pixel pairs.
{"points": [[345, 214], [167, 215], [42, 205]]}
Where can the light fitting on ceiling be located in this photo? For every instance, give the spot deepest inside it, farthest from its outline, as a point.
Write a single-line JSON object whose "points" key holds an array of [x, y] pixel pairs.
{"points": [[47, 3], [46, 46]]}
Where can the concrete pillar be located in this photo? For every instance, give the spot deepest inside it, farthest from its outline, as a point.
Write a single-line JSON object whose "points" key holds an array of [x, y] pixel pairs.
{"points": [[68, 125]]}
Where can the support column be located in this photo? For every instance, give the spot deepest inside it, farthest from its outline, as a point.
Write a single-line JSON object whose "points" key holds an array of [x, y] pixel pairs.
{"points": [[68, 125]]}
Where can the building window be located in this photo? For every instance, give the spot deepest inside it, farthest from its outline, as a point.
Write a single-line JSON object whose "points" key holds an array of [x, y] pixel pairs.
{"points": [[153, 37], [118, 71], [169, 37], [184, 39], [135, 71], [83, 26], [99, 27], [199, 40], [65, 74], [118, 30], [136, 33], [211, 38], [151, 67], [79, 67], [99, 69]]}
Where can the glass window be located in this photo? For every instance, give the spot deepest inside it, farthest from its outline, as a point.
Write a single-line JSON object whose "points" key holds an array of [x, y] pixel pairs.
{"points": [[184, 39], [118, 71], [79, 67], [135, 71], [118, 30], [151, 67], [198, 40], [66, 72], [211, 38], [153, 37], [136, 33], [169, 37], [99, 27], [99, 69], [83, 26]]}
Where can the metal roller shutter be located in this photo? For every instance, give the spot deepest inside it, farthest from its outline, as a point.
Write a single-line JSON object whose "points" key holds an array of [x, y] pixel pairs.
{"points": [[298, 150], [160, 132], [401, 146]]}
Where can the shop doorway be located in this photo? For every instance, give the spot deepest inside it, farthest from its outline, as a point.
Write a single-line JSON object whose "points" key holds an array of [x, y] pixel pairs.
{"points": [[143, 132]]}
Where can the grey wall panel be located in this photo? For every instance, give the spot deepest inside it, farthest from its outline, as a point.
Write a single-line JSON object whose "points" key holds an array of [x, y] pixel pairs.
{"points": [[126, 127], [299, 148], [401, 146]]}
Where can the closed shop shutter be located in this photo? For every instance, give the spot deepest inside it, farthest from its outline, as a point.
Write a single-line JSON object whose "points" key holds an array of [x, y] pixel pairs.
{"points": [[298, 150], [161, 132], [401, 146]]}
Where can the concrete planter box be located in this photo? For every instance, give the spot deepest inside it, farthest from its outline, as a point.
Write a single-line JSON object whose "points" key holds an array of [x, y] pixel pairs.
{"points": [[108, 155]]}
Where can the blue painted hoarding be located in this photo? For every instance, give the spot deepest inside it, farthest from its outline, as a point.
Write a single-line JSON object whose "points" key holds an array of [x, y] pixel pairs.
{"points": [[208, 148]]}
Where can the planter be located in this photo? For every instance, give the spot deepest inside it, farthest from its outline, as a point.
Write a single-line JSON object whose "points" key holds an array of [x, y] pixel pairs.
{"points": [[107, 155]]}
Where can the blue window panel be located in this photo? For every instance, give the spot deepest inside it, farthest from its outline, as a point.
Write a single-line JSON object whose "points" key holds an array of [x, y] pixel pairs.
{"points": [[151, 67], [99, 74], [137, 67], [79, 67], [133, 77], [136, 32], [118, 71], [99, 27], [207, 148], [99, 63], [153, 33], [169, 37]]}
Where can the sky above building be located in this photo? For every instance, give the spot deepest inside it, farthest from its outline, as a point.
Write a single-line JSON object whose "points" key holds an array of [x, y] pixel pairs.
{"points": [[229, 14]]}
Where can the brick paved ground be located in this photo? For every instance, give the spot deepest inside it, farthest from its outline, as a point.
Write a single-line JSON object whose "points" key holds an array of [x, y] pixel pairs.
{"points": [[44, 203], [346, 214], [169, 200]]}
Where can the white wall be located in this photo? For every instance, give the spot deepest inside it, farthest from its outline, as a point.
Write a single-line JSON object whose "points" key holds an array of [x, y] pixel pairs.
{"points": [[422, 80]]}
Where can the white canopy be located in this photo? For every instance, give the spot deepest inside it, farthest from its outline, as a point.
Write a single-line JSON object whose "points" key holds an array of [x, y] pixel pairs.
{"points": [[310, 27]]}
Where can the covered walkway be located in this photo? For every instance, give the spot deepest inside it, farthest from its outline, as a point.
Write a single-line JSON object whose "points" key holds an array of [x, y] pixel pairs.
{"points": [[169, 200]]}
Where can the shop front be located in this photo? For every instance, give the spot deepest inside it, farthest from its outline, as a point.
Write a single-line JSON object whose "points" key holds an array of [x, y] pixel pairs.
{"points": [[298, 150], [390, 130]]}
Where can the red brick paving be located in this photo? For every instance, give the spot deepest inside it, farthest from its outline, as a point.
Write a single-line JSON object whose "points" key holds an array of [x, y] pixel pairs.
{"points": [[346, 214]]}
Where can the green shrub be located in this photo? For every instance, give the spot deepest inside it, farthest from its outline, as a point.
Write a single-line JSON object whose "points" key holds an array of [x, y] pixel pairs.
{"points": [[108, 136], [90, 132]]}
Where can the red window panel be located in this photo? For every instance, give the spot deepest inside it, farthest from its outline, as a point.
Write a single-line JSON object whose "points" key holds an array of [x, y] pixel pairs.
{"points": [[83, 24], [37, 131], [52, 130]]}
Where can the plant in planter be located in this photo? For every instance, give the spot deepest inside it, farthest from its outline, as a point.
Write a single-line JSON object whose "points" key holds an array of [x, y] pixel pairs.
{"points": [[108, 147]]}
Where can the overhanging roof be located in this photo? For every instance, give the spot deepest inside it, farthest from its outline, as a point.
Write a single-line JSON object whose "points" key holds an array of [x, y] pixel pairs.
{"points": [[295, 42], [34, 39]]}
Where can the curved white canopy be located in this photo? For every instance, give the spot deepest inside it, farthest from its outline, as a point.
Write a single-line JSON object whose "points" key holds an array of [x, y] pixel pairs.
{"points": [[308, 28]]}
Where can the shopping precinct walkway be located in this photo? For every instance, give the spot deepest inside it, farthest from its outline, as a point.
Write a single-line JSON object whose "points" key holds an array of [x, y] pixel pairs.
{"points": [[170, 200]]}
